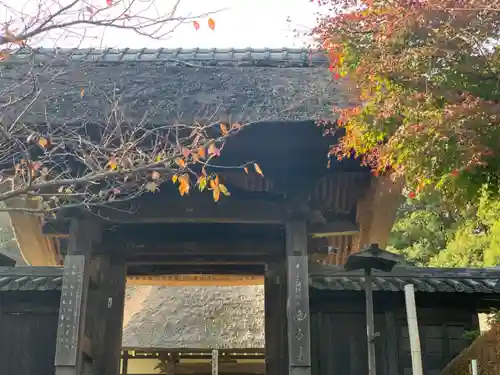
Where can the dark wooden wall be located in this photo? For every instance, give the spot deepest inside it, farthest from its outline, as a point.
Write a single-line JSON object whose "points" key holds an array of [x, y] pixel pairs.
{"points": [[338, 332], [28, 328]]}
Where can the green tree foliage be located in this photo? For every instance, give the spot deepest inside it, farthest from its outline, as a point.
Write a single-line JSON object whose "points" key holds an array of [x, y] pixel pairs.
{"points": [[430, 234]]}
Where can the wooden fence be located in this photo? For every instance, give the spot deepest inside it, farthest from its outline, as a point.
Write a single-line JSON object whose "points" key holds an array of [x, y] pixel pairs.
{"points": [[485, 349]]}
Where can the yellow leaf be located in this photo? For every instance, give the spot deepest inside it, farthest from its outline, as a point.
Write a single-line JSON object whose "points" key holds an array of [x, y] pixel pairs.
{"points": [[82, 92], [216, 194], [112, 164], [151, 186], [43, 142], [202, 183], [257, 169], [174, 178], [223, 190], [223, 129], [159, 158]]}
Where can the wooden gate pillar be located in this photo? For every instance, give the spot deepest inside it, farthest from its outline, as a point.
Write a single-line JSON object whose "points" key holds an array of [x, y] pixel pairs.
{"points": [[73, 345], [115, 285], [298, 317], [275, 320], [107, 313]]}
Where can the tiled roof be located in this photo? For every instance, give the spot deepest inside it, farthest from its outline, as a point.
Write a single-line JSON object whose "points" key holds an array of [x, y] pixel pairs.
{"points": [[30, 278], [323, 277], [424, 279], [279, 57]]}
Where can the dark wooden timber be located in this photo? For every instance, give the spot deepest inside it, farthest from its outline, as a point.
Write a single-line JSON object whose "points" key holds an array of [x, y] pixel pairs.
{"points": [[299, 336], [275, 317], [115, 288]]}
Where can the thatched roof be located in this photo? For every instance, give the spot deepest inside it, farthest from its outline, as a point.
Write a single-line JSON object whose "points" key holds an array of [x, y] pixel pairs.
{"points": [[175, 85], [195, 317]]}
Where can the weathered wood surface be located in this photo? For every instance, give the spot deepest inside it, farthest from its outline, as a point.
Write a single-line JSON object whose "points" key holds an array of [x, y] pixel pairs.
{"points": [[28, 326], [275, 310], [339, 335]]}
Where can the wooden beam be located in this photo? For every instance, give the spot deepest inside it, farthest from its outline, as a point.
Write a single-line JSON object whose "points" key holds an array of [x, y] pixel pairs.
{"points": [[198, 208], [202, 247], [298, 317], [332, 229], [196, 280]]}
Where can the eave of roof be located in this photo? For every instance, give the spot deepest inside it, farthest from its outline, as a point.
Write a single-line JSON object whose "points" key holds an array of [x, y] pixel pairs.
{"points": [[264, 57], [322, 277], [452, 280], [30, 278]]}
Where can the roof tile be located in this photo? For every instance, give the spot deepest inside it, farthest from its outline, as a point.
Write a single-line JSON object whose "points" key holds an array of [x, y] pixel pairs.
{"points": [[283, 57]]}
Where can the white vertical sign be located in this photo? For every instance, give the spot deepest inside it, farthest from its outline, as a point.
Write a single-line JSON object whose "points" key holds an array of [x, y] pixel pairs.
{"points": [[411, 314], [215, 362]]}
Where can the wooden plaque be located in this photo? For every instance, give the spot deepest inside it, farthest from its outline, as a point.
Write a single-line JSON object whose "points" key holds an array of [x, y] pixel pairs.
{"points": [[69, 311]]}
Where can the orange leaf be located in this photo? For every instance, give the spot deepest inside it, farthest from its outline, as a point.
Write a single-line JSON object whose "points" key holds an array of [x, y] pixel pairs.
{"points": [[82, 92], [201, 152], [196, 25], [211, 23], [223, 129], [245, 169], [43, 142], [257, 169], [216, 194], [181, 163]]}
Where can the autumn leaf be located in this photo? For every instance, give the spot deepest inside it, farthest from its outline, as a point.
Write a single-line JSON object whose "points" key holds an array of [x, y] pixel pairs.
{"points": [[257, 169], [223, 190], [174, 178], [223, 129], [214, 182], [43, 142], [4, 55], [196, 25], [181, 163], [82, 93], [185, 152], [211, 23], [151, 186], [201, 152], [112, 164], [245, 169], [216, 194], [202, 183], [184, 184], [236, 126]]}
